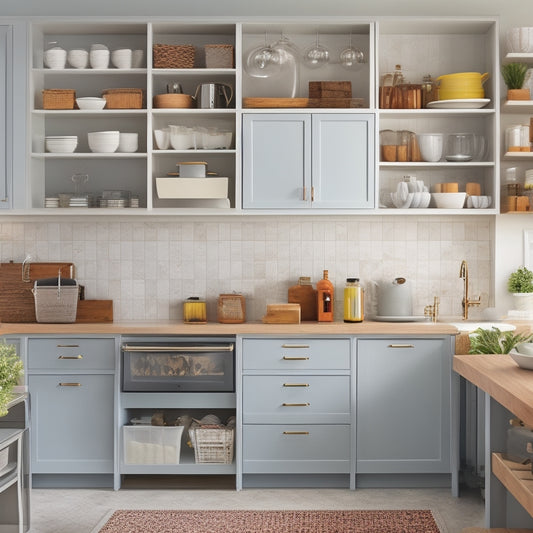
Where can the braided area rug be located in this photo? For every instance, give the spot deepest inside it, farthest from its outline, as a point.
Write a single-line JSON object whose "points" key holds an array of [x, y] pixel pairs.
{"points": [[359, 521]]}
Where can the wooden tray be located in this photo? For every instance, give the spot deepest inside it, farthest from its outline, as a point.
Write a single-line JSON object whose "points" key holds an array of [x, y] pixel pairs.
{"points": [[336, 102], [274, 102]]}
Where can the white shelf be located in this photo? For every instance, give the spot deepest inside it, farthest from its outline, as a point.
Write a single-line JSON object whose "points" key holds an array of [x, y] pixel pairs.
{"points": [[89, 71], [195, 152], [193, 72], [518, 156], [90, 155], [520, 57], [435, 113], [100, 113], [437, 164], [517, 106]]}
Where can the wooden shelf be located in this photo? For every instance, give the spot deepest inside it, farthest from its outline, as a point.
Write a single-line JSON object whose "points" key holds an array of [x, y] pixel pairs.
{"points": [[517, 479]]}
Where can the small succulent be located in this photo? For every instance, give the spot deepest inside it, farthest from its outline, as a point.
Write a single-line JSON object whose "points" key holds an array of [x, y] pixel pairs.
{"points": [[514, 75], [495, 341], [521, 280]]}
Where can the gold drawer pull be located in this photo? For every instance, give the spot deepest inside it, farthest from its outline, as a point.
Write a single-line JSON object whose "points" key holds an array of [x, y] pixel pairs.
{"points": [[287, 358], [307, 404], [401, 345], [296, 432], [296, 384], [70, 384], [68, 346], [295, 345], [70, 356]]}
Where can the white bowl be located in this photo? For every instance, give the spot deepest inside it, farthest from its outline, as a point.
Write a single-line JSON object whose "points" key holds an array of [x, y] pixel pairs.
{"points": [[99, 58], [400, 201], [60, 145], [55, 58], [91, 102], [128, 142], [478, 202], [523, 361], [105, 148], [78, 58], [524, 348], [449, 200], [121, 58], [103, 141], [99, 46]]}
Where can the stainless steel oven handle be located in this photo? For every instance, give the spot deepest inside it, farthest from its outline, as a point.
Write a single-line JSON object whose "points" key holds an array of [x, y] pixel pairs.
{"points": [[214, 348]]}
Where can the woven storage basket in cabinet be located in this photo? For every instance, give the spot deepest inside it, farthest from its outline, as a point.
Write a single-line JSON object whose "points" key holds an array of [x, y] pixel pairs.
{"points": [[123, 98], [173, 55], [59, 98], [219, 56], [212, 445], [56, 304]]}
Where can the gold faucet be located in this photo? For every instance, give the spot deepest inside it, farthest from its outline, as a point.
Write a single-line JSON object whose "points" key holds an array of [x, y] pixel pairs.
{"points": [[463, 274]]}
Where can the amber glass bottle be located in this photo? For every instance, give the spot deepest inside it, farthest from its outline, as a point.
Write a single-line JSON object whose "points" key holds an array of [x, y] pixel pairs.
{"points": [[326, 294]]}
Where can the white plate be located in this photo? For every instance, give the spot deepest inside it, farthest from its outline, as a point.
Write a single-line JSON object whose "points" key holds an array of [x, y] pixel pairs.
{"points": [[458, 158], [523, 361], [467, 103], [400, 318]]}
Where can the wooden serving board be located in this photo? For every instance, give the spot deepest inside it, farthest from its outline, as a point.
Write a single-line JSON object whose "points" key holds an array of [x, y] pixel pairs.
{"points": [[16, 299], [90, 311], [336, 102], [258, 102]]}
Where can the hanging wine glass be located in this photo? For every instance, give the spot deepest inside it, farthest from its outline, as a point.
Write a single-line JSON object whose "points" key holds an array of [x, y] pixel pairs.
{"points": [[316, 56], [262, 61], [351, 57]]}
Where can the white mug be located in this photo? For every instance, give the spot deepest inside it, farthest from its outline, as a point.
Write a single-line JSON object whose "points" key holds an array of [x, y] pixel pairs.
{"points": [[162, 138], [430, 145]]}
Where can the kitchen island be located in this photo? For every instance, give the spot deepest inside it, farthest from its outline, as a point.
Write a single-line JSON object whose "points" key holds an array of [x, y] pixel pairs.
{"points": [[509, 394]]}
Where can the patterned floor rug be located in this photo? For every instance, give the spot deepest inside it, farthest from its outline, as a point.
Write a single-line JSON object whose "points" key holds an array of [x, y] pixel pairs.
{"points": [[401, 521]]}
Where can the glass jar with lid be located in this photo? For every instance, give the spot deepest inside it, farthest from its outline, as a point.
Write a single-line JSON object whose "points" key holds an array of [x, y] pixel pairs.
{"points": [[353, 301]]}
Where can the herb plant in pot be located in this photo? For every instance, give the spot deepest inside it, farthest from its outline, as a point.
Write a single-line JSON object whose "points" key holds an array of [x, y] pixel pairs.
{"points": [[11, 369], [514, 75], [520, 284]]}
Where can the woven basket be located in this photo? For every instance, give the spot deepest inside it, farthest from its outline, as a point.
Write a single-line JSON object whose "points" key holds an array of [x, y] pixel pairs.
{"points": [[219, 56], [123, 98], [59, 98], [212, 445], [56, 304], [173, 56]]}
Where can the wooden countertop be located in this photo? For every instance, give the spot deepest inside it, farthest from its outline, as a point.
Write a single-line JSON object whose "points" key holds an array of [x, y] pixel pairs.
{"points": [[214, 328], [502, 378]]}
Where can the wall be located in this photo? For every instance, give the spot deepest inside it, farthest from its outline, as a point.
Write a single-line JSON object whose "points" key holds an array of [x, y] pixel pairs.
{"points": [[149, 268]]}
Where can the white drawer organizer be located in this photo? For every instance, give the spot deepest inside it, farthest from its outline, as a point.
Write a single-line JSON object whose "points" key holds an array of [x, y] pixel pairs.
{"points": [[421, 45]]}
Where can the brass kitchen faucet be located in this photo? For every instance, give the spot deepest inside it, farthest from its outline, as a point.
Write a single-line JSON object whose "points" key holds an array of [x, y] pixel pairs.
{"points": [[463, 274]]}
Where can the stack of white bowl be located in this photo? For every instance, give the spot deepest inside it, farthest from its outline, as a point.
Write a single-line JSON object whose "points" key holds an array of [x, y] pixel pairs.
{"points": [[103, 141], [121, 58], [78, 58], [61, 143], [55, 58]]}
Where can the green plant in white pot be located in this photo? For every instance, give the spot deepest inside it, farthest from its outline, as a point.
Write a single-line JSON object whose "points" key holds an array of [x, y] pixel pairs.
{"points": [[11, 368], [520, 284]]}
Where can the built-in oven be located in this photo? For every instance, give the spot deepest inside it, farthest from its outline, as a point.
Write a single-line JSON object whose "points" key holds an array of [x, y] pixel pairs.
{"points": [[192, 365]]}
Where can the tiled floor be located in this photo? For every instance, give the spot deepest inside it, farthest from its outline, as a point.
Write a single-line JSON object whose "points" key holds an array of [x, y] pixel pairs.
{"points": [[83, 510]]}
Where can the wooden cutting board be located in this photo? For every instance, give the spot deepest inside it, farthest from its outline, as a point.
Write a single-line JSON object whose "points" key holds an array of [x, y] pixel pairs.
{"points": [[259, 102], [90, 311], [16, 298]]}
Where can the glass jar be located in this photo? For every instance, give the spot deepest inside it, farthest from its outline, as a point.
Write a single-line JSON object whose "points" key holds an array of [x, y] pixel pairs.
{"points": [[353, 301], [194, 311], [430, 90]]}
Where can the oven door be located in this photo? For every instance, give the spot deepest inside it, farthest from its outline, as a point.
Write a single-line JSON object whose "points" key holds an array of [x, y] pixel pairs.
{"points": [[178, 367]]}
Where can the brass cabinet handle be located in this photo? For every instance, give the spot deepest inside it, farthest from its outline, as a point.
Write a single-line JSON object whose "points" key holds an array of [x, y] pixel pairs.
{"points": [[287, 358], [296, 384], [305, 194], [70, 384], [296, 432], [312, 194], [70, 356], [307, 404], [68, 346], [401, 345], [295, 345]]}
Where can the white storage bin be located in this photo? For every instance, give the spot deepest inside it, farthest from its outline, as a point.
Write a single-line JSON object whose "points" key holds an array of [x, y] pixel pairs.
{"points": [[152, 445], [192, 188]]}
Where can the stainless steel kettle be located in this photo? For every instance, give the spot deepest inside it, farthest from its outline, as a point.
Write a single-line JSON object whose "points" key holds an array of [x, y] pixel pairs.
{"points": [[213, 95]]}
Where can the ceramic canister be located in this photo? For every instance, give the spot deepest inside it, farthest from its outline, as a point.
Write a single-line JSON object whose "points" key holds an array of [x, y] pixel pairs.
{"points": [[394, 298]]}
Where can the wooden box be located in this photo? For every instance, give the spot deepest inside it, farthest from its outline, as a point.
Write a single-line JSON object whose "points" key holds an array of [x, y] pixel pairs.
{"points": [[59, 99], [330, 89], [129, 98]]}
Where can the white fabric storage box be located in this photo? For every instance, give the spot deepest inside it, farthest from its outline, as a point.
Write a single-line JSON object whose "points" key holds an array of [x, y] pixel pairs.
{"points": [[56, 300], [152, 445], [192, 188]]}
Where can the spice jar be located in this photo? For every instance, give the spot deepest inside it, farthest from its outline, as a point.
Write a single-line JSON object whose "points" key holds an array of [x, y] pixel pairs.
{"points": [[353, 301]]}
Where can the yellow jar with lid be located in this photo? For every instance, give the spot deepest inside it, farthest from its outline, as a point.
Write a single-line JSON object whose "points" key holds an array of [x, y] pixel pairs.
{"points": [[353, 301], [194, 311]]}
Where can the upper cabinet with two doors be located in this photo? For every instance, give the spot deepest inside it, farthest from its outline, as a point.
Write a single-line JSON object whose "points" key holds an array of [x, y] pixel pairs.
{"points": [[271, 143]]}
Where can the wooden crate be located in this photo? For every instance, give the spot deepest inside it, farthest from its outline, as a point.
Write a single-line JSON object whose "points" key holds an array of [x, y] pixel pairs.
{"points": [[330, 89]]}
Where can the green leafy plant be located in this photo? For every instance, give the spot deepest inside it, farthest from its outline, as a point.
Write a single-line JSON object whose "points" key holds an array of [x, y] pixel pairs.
{"points": [[520, 280], [495, 341], [11, 368], [514, 75]]}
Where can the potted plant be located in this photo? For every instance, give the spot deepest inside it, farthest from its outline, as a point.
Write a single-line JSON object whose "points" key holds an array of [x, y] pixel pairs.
{"points": [[11, 369], [495, 341], [514, 75], [520, 284]]}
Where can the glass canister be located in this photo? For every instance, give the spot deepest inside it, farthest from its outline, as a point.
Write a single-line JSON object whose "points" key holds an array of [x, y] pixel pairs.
{"points": [[194, 311], [353, 301], [430, 90], [388, 140]]}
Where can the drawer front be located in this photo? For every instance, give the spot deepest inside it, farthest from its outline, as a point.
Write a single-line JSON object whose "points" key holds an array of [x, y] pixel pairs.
{"points": [[296, 448], [71, 354], [296, 354], [296, 399]]}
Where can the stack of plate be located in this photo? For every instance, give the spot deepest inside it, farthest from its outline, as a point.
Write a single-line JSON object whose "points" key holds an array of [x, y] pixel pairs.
{"points": [[61, 143], [51, 201]]}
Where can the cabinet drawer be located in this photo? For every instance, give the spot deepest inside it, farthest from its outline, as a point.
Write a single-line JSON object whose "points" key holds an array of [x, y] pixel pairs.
{"points": [[296, 354], [71, 354], [296, 448], [296, 399]]}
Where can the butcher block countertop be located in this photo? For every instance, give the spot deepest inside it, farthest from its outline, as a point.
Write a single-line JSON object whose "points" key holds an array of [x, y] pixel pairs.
{"points": [[502, 378], [214, 328]]}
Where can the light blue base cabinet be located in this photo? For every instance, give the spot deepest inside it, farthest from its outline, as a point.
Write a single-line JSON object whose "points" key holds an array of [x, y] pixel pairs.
{"points": [[315, 161]]}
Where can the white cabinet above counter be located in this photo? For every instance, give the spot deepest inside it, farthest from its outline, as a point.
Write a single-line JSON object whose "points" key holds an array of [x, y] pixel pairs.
{"points": [[421, 45]]}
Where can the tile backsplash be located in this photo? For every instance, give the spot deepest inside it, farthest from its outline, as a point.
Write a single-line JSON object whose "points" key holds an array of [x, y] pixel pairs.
{"points": [[149, 267]]}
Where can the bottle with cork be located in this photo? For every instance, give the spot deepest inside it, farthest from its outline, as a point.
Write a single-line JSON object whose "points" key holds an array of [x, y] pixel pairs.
{"points": [[326, 293]]}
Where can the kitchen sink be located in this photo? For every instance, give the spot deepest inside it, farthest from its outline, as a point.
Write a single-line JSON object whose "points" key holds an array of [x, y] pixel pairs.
{"points": [[469, 327]]}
